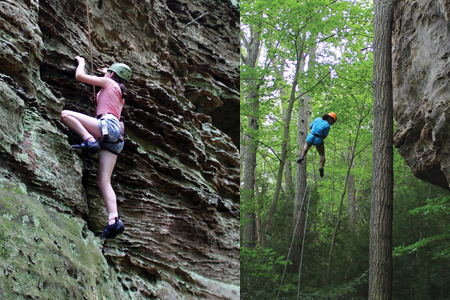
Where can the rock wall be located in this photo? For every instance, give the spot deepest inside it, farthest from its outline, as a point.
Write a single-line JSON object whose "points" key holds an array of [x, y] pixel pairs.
{"points": [[177, 179], [421, 70]]}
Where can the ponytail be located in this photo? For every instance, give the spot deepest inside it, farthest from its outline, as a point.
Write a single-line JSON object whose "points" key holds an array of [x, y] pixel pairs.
{"points": [[121, 83]]}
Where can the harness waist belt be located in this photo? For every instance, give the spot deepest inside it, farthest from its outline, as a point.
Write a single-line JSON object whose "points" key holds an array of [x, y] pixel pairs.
{"points": [[319, 136], [105, 114]]}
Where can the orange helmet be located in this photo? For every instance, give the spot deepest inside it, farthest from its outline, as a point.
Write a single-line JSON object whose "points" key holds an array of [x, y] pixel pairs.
{"points": [[333, 115]]}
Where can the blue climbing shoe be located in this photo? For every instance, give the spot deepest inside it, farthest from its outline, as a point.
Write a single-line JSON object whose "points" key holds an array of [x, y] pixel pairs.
{"points": [[321, 172], [299, 161], [91, 147], [111, 231]]}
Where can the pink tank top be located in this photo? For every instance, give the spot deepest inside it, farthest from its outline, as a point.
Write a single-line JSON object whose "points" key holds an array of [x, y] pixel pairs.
{"points": [[109, 99]]}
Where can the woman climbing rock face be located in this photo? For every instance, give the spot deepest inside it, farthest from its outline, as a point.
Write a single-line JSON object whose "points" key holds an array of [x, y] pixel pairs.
{"points": [[320, 128], [103, 135]]}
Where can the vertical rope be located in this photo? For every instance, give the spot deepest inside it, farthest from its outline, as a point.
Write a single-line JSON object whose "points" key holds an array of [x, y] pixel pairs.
{"points": [[90, 43], [328, 94], [341, 49], [303, 242], [290, 247]]}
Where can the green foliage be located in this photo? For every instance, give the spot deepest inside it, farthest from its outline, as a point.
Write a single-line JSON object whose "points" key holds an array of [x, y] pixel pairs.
{"points": [[260, 266], [433, 209], [420, 238], [438, 206], [337, 76]]}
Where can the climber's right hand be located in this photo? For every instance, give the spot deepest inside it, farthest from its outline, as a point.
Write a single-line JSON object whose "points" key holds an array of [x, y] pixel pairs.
{"points": [[79, 59]]}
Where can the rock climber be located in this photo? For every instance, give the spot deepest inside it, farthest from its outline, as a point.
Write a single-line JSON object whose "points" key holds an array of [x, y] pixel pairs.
{"points": [[319, 131], [104, 134]]}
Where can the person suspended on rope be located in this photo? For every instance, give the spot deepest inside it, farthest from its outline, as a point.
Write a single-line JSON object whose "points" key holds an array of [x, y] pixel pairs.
{"points": [[320, 128], [103, 134]]}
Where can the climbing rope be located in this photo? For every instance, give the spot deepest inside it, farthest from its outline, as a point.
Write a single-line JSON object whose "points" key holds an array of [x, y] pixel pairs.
{"points": [[90, 43], [292, 241], [295, 231], [303, 242], [342, 49], [328, 94], [310, 186]]}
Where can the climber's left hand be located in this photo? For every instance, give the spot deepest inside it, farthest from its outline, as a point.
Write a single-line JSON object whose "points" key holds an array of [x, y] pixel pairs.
{"points": [[103, 70]]}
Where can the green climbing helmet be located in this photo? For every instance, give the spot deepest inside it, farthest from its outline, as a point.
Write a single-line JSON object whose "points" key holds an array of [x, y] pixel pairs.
{"points": [[122, 70]]}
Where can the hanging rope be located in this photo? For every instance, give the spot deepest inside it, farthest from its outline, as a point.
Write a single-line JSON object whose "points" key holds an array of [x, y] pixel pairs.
{"points": [[90, 43], [342, 49], [303, 242], [310, 187], [295, 231], [292, 241], [328, 94]]}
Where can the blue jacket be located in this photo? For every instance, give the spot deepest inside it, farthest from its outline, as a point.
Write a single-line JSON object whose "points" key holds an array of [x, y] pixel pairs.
{"points": [[319, 131]]}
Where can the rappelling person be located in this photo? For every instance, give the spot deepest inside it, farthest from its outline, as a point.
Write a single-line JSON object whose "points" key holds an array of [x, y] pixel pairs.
{"points": [[104, 134], [319, 131]]}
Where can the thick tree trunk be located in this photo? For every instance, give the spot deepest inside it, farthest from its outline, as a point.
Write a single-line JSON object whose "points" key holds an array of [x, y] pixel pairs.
{"points": [[249, 227], [300, 181], [380, 267], [288, 184]]}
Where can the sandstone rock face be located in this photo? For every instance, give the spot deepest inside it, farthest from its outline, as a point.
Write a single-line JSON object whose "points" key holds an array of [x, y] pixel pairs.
{"points": [[177, 179], [421, 70]]}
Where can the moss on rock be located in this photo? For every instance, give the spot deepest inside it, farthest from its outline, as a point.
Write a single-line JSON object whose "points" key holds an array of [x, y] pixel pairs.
{"points": [[46, 254]]}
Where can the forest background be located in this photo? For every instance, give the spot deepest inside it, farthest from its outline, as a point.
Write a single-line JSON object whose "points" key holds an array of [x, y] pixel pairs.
{"points": [[303, 236]]}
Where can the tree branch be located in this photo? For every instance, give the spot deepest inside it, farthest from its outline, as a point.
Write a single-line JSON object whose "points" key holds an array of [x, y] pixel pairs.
{"points": [[273, 151], [313, 86]]}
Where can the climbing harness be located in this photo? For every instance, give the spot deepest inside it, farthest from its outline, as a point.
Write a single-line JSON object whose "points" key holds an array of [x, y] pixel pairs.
{"points": [[105, 134], [104, 130]]}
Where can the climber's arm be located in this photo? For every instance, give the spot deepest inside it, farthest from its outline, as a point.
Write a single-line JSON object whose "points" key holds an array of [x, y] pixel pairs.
{"points": [[81, 75]]}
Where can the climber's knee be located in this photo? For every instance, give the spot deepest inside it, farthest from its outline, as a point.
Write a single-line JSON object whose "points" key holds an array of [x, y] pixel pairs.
{"points": [[64, 115], [322, 157]]}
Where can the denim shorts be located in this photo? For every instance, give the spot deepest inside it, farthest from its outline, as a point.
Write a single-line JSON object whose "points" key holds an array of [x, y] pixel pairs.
{"points": [[113, 144]]}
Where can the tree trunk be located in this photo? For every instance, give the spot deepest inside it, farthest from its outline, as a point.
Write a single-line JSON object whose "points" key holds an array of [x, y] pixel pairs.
{"points": [[352, 202], [351, 197], [249, 227], [258, 205], [380, 265], [289, 186], [300, 181]]}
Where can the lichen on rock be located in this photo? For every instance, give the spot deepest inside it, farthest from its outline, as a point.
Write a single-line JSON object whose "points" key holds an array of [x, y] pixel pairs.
{"points": [[177, 179]]}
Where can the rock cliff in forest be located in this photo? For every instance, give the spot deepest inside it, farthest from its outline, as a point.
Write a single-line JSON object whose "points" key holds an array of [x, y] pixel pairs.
{"points": [[177, 179], [421, 70]]}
